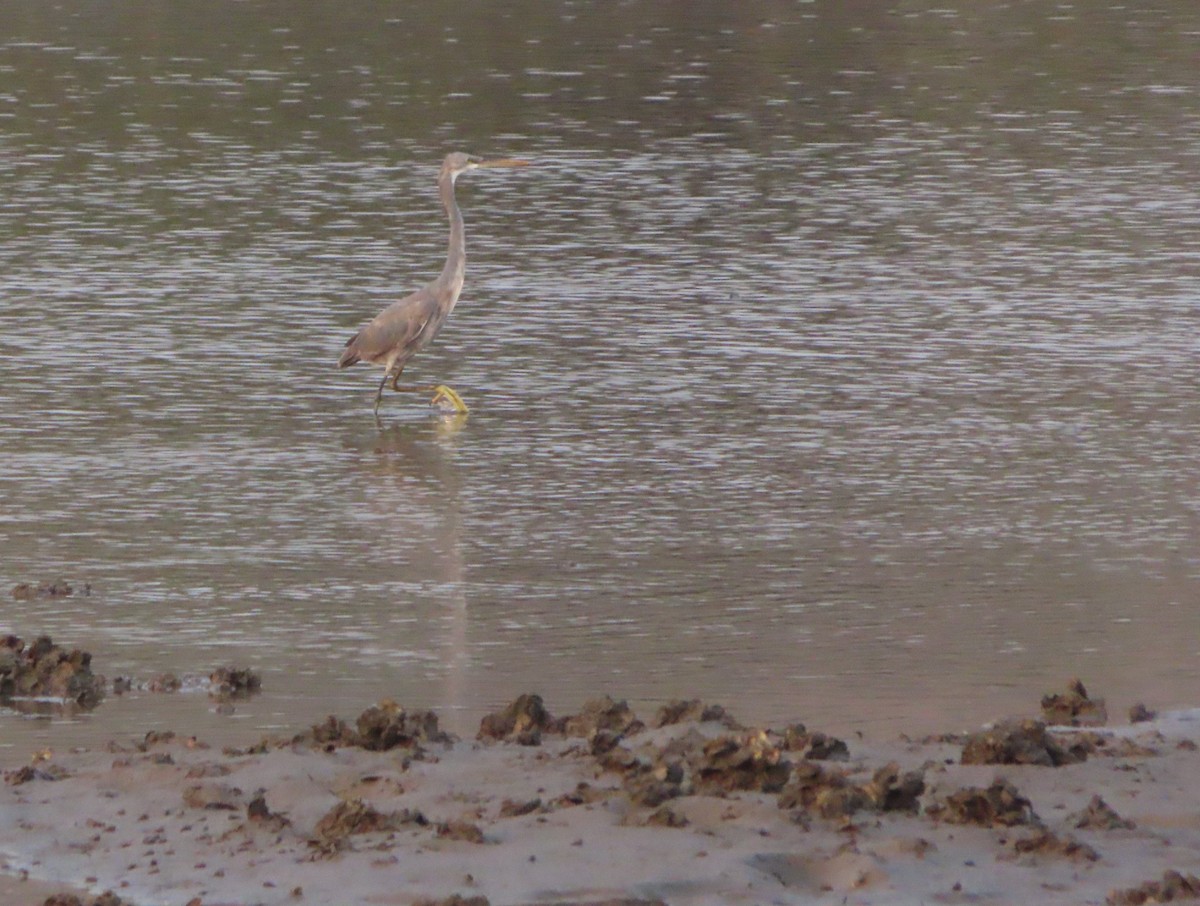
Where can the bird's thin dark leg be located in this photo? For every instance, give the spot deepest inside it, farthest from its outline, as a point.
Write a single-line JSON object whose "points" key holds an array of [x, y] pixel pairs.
{"points": [[379, 392]]}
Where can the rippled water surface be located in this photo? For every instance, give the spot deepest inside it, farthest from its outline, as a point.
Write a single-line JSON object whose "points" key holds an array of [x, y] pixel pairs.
{"points": [[833, 361]]}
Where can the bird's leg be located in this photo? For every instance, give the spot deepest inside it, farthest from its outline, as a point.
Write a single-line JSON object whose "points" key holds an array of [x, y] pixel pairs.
{"points": [[441, 393], [379, 392]]}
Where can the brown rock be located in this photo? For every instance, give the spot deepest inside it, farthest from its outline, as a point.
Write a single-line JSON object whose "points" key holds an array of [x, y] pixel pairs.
{"points": [[999, 804], [30, 772], [212, 795], [809, 782], [357, 817], [650, 792], [460, 830], [665, 816], [1173, 886], [23, 591], [510, 808], [891, 791], [1047, 844], [156, 738], [841, 802], [258, 812], [522, 722], [741, 762], [44, 670], [387, 725], [1019, 742], [1140, 714], [583, 794], [1075, 708], [1099, 815], [681, 710], [814, 746], [332, 733], [603, 714], [164, 682], [233, 682]]}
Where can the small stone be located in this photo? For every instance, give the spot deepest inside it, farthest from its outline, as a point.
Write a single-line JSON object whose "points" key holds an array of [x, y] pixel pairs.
{"points": [[212, 796], [1099, 815], [1140, 714], [460, 830]]}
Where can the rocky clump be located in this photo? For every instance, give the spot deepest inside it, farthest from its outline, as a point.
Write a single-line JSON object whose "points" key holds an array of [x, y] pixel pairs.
{"points": [[164, 682], [524, 721], [998, 805], [814, 746], [379, 728], [1044, 843], [1020, 742], [1074, 708], [460, 830], [513, 808], [1099, 815], [603, 717], [227, 683], [683, 710], [24, 591], [1140, 714], [44, 670], [108, 898], [830, 794], [694, 763], [739, 761], [387, 725], [30, 772], [822, 791], [354, 816], [258, 812], [1173, 886], [890, 790], [212, 795], [603, 721]]}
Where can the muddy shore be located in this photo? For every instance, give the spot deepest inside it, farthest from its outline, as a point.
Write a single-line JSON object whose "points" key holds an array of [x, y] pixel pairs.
{"points": [[681, 806]]}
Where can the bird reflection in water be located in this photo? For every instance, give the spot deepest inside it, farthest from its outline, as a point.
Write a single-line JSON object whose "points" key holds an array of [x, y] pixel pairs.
{"points": [[416, 492]]}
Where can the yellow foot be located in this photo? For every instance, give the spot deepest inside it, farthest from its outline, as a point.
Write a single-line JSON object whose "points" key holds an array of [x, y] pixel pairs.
{"points": [[445, 398]]}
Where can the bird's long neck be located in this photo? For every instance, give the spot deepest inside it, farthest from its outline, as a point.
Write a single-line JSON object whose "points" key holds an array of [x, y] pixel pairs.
{"points": [[456, 258]]}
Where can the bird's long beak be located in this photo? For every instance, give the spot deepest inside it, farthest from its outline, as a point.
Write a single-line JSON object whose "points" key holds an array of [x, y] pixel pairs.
{"points": [[503, 162]]}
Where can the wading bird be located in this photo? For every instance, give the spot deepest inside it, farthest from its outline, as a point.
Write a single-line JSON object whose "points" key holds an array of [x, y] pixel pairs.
{"points": [[406, 327]]}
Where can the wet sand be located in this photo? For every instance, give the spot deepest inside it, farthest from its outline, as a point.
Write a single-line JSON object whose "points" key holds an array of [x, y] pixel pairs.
{"points": [[17, 891], [598, 807]]}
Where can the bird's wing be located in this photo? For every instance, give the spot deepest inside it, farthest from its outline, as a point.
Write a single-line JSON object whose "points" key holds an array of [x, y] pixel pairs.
{"points": [[395, 329]]}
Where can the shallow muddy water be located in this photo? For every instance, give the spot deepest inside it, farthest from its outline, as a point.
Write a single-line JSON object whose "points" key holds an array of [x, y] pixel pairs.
{"points": [[833, 361]]}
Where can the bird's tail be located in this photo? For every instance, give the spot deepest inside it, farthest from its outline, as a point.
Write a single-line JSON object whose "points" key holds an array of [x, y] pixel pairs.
{"points": [[349, 355]]}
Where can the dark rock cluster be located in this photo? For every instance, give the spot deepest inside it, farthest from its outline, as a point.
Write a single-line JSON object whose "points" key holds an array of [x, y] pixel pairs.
{"points": [[43, 670], [1020, 742]]}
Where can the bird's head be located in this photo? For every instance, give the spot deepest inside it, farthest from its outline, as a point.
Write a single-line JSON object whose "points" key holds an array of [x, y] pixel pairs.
{"points": [[456, 162]]}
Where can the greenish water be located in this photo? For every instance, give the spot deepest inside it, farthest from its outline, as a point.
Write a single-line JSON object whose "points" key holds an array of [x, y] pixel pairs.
{"points": [[833, 361]]}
